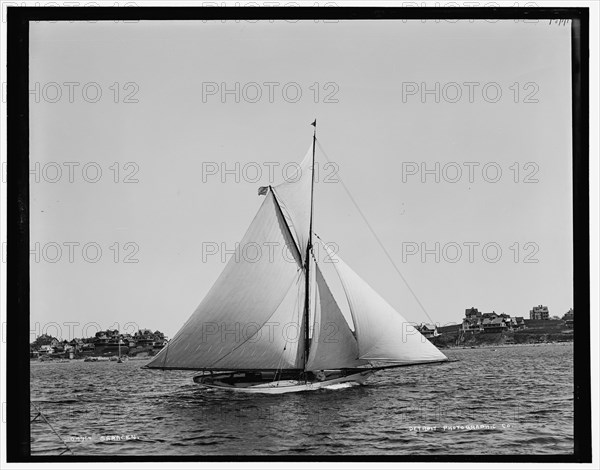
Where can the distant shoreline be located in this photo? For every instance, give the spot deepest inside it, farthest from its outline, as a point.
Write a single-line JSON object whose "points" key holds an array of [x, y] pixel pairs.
{"points": [[444, 347], [505, 345], [534, 332]]}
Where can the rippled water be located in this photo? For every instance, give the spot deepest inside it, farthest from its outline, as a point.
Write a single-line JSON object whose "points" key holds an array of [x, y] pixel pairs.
{"points": [[521, 397]]}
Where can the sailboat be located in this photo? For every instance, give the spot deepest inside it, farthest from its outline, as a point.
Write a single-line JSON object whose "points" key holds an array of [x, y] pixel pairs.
{"points": [[258, 331], [119, 360]]}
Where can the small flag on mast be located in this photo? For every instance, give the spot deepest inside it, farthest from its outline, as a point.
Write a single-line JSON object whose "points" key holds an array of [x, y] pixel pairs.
{"points": [[314, 123], [263, 190]]}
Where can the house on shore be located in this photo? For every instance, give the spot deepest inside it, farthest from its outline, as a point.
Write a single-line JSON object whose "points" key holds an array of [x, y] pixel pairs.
{"points": [[145, 338], [428, 330], [490, 322], [539, 313], [569, 319], [496, 325], [46, 349], [473, 320], [108, 342]]}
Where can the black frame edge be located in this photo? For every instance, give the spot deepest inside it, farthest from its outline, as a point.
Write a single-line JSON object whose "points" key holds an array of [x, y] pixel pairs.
{"points": [[18, 302], [17, 213], [582, 422]]}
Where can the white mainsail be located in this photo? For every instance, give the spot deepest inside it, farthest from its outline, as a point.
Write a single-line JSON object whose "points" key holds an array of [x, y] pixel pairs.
{"points": [[248, 293], [383, 334], [278, 343]]}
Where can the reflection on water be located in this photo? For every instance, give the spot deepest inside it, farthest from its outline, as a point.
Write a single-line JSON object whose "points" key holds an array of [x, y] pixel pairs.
{"points": [[508, 400]]}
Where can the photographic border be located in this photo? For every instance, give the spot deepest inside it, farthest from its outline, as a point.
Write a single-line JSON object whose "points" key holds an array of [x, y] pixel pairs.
{"points": [[18, 288]]}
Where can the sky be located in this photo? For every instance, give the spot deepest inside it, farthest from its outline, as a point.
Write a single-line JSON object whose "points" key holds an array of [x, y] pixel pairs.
{"points": [[142, 120]]}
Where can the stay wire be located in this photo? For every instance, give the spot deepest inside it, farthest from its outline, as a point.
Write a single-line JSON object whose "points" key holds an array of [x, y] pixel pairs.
{"points": [[40, 414], [375, 235]]}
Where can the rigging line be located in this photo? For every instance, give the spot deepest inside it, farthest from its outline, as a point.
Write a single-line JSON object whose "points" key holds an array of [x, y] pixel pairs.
{"points": [[288, 217], [52, 428], [317, 292], [376, 237]]}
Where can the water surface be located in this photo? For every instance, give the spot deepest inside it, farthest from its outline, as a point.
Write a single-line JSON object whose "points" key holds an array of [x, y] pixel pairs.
{"points": [[507, 400]]}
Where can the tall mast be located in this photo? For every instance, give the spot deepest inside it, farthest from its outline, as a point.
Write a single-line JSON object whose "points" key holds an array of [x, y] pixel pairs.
{"points": [[307, 259]]}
